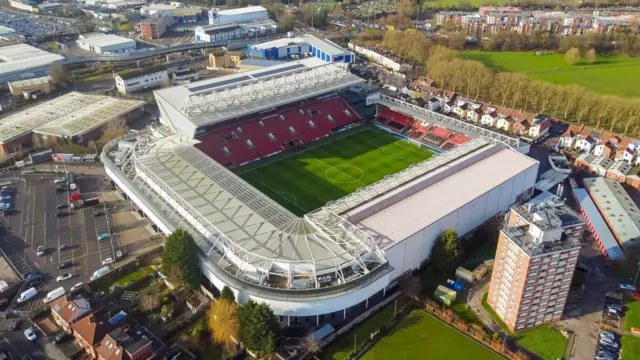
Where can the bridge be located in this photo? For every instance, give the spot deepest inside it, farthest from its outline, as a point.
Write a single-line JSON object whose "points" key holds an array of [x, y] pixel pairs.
{"points": [[459, 126]]}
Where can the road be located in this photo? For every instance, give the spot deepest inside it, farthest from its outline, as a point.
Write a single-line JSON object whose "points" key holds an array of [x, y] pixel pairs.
{"points": [[15, 344]]}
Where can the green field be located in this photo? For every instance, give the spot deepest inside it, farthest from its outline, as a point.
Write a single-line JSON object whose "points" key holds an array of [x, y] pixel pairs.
{"points": [[632, 317], [615, 74], [327, 171], [419, 336], [630, 347]]}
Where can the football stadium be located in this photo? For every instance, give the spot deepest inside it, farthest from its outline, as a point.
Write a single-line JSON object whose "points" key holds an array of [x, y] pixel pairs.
{"points": [[298, 200]]}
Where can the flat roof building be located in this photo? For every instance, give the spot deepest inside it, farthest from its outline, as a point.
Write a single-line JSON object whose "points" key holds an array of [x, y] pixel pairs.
{"points": [[618, 209], [71, 116], [155, 27], [301, 46], [18, 88], [6, 31], [101, 44], [147, 78], [239, 15], [22, 61]]}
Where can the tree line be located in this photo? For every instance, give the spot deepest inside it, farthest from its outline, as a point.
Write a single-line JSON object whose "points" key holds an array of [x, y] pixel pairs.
{"points": [[573, 103]]}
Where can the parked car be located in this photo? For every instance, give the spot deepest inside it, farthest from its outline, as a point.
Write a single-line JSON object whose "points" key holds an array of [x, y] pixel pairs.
{"points": [[64, 265], [636, 295], [64, 277], [608, 342], [62, 206], [627, 287], [98, 213], [62, 213], [31, 273], [65, 247], [103, 237], [14, 325], [29, 334], [40, 251], [107, 261], [34, 280], [75, 287], [61, 189], [60, 338]]}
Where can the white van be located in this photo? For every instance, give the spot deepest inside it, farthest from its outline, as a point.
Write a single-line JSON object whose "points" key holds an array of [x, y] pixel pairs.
{"points": [[99, 272], [27, 294], [54, 294]]}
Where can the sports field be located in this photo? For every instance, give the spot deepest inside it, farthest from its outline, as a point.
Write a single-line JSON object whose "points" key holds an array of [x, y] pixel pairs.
{"points": [[332, 168], [614, 74], [420, 336]]}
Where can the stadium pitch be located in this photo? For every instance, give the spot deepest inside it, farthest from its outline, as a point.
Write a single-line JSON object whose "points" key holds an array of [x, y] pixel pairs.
{"points": [[332, 168]]}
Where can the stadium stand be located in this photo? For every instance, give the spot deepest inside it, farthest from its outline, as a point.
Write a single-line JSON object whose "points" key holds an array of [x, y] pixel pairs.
{"points": [[248, 140], [429, 134]]}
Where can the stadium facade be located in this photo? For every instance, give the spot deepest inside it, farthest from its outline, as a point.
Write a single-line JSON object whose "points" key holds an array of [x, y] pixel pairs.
{"points": [[328, 263]]}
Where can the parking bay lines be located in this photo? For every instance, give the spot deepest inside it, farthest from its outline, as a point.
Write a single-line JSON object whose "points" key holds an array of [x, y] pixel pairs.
{"points": [[104, 246]]}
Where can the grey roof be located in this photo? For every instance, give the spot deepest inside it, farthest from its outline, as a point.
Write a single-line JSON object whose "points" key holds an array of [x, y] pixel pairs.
{"points": [[217, 99], [601, 163], [22, 58], [325, 45], [598, 225], [106, 40], [617, 207], [253, 224], [69, 115], [261, 62]]}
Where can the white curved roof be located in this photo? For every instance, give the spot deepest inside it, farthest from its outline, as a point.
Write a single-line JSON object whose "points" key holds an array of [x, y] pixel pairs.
{"points": [[255, 228]]}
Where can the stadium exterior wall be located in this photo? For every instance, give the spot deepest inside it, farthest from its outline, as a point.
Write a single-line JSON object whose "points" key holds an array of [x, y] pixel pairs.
{"points": [[410, 253], [179, 121]]}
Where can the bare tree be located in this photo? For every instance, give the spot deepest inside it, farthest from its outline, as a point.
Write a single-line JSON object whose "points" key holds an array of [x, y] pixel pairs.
{"points": [[411, 286], [149, 302], [311, 345]]}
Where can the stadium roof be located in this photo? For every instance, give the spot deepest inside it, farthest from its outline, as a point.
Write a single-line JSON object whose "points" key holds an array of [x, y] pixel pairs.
{"points": [[218, 99], [21, 58], [465, 184], [617, 207], [106, 40], [255, 228], [69, 115]]}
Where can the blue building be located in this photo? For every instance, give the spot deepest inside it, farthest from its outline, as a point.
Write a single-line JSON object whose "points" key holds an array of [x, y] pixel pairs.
{"points": [[305, 45]]}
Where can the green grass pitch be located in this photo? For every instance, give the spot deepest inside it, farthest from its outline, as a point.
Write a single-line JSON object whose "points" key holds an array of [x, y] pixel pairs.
{"points": [[331, 169]]}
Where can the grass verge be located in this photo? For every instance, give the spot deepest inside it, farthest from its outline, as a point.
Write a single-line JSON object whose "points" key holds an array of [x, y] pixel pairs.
{"points": [[632, 317], [630, 347]]}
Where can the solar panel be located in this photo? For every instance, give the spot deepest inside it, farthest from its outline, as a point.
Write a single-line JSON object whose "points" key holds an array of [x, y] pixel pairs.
{"points": [[219, 84], [280, 70]]}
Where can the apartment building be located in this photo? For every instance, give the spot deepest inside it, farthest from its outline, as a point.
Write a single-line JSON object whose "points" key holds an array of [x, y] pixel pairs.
{"points": [[537, 254], [155, 27]]}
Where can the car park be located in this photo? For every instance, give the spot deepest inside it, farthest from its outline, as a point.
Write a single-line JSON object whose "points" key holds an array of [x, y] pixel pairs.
{"points": [[64, 277], [14, 325], [29, 334], [107, 261], [40, 251], [64, 265], [98, 213], [62, 213], [62, 206], [61, 189], [60, 180], [65, 246], [103, 237]]}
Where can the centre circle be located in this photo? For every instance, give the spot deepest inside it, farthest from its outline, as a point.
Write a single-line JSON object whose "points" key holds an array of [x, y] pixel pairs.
{"points": [[344, 174]]}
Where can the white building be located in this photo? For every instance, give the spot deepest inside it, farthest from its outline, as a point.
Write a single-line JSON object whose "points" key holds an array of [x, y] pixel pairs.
{"points": [[211, 33], [389, 63], [184, 76], [20, 6], [102, 43], [239, 15], [22, 61], [148, 78], [304, 45]]}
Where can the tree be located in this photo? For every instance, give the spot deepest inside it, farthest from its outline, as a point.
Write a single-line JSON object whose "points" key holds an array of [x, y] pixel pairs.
{"points": [[166, 311], [447, 251], [258, 327], [180, 250], [572, 56], [126, 27], [223, 321], [287, 22], [58, 72], [411, 286], [149, 302], [591, 56], [311, 345], [227, 294]]}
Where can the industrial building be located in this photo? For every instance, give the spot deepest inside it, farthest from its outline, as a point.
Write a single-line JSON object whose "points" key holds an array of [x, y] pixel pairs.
{"points": [[330, 263], [147, 78], [249, 30], [50, 7], [100, 43], [300, 46], [187, 15], [618, 209], [22, 61], [73, 116], [155, 27], [239, 15], [537, 254], [41, 85]]}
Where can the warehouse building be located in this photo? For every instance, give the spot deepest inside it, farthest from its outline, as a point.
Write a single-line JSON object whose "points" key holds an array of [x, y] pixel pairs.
{"points": [[188, 15], [105, 43], [41, 85], [22, 61], [74, 116], [148, 78], [155, 27], [304, 45], [211, 33], [239, 15], [50, 7]]}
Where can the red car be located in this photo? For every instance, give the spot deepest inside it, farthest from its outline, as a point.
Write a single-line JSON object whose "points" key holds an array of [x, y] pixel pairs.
{"points": [[636, 295]]}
